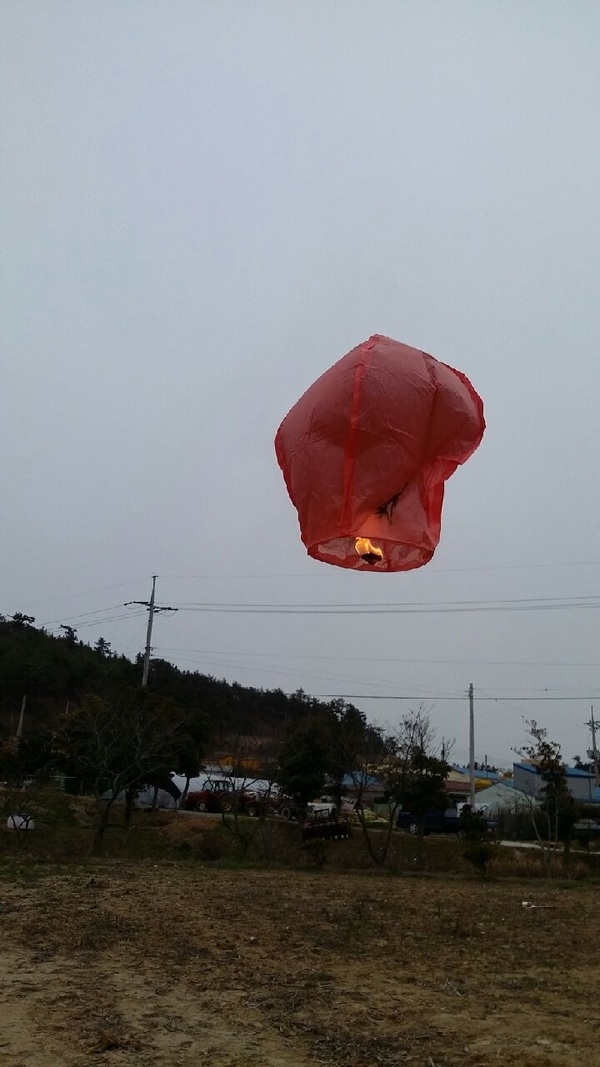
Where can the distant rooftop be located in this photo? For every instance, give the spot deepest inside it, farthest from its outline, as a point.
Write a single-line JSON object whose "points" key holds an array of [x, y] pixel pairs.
{"points": [[480, 772], [360, 778], [571, 772]]}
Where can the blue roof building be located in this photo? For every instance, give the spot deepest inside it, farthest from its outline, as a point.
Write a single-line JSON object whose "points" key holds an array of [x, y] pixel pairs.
{"points": [[581, 784]]}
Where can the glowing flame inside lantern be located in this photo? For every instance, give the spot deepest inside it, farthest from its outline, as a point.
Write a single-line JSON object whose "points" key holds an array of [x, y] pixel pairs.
{"points": [[367, 551]]}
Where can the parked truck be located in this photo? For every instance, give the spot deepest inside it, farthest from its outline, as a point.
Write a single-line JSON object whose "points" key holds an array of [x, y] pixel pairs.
{"points": [[434, 821], [442, 821]]}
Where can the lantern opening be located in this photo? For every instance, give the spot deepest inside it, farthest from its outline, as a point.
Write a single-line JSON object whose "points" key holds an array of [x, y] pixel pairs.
{"points": [[370, 553]]}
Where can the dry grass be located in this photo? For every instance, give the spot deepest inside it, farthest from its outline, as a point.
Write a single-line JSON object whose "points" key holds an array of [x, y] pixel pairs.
{"points": [[65, 829], [126, 964], [182, 948]]}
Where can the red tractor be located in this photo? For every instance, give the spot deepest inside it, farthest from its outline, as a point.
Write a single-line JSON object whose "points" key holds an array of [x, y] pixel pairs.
{"points": [[217, 796]]}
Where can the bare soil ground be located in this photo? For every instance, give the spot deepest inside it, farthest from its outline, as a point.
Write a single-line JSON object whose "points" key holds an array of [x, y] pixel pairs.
{"points": [[192, 966]]}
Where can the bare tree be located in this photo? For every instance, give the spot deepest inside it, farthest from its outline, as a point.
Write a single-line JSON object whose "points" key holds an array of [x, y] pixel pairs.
{"points": [[411, 770], [555, 816], [116, 746], [251, 771]]}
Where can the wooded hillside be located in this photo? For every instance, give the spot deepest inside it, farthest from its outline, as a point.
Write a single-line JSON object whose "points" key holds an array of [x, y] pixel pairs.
{"points": [[55, 672]]}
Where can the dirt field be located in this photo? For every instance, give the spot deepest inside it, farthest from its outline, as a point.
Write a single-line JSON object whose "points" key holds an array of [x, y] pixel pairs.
{"points": [[194, 966]]}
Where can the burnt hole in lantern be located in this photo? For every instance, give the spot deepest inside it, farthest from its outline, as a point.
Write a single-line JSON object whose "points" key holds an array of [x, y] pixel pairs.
{"points": [[387, 509]]}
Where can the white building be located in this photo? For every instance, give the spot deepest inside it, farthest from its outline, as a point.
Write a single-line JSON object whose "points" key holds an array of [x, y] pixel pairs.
{"points": [[527, 778], [502, 797]]}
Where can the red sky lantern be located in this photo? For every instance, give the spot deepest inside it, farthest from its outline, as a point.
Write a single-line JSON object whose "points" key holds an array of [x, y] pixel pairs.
{"points": [[366, 450]]}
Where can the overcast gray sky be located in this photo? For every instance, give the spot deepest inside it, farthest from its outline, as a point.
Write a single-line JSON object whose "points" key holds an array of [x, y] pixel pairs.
{"points": [[205, 204]]}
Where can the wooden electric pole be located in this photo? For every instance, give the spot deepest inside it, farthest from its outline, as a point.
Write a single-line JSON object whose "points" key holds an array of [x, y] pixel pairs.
{"points": [[148, 648], [592, 726], [153, 609], [471, 749], [21, 718]]}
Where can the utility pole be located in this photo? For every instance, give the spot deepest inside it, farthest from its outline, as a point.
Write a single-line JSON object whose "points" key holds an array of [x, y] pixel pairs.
{"points": [[153, 609], [148, 648], [471, 749], [21, 718], [592, 726]]}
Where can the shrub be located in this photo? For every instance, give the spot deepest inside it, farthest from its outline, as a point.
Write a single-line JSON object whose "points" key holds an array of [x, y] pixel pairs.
{"points": [[211, 846], [480, 854], [316, 850]]}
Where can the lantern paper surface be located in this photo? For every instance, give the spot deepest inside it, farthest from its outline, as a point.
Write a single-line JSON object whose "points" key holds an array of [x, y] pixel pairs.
{"points": [[366, 450]]}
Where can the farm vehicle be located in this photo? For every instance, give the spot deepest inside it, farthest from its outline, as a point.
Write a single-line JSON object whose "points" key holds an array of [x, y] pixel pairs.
{"points": [[222, 796], [325, 824]]}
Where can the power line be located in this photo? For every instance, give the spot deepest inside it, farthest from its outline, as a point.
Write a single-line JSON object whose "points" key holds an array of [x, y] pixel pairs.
{"points": [[385, 659], [82, 615], [444, 607], [91, 623], [110, 618], [320, 574], [406, 604], [279, 671], [489, 699], [391, 608], [83, 592], [278, 665]]}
